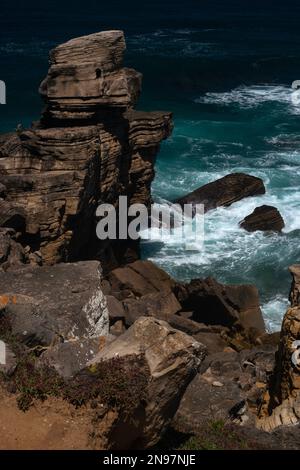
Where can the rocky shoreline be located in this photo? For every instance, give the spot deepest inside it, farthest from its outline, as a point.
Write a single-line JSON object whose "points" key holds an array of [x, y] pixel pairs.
{"points": [[112, 343]]}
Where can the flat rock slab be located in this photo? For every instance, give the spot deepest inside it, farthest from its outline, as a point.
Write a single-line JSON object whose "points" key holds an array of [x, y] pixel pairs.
{"points": [[54, 303], [225, 191]]}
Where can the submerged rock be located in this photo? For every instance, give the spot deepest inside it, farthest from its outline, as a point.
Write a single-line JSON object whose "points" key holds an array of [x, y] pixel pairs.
{"points": [[263, 218], [225, 191]]}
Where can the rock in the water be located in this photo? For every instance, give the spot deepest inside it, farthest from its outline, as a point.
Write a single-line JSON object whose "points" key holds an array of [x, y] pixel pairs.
{"points": [[89, 148], [219, 304], [225, 191], [51, 304], [263, 218], [173, 359]]}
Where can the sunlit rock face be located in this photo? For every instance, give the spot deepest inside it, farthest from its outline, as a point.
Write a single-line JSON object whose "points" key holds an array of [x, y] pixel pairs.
{"points": [[90, 146]]}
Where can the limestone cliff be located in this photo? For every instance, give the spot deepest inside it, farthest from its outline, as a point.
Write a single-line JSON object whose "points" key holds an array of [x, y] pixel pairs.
{"points": [[90, 146]]}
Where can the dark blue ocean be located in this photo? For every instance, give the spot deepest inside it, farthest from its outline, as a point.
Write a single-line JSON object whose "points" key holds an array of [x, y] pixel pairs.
{"points": [[225, 69]]}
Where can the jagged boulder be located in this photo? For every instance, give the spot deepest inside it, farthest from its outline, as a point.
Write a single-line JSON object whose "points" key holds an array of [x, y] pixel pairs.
{"points": [[45, 305], [225, 191], [263, 218], [138, 279], [173, 359], [219, 304], [228, 387]]}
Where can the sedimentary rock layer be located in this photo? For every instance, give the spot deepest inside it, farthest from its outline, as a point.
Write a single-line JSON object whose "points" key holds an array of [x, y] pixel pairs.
{"points": [[225, 191], [263, 218], [90, 147]]}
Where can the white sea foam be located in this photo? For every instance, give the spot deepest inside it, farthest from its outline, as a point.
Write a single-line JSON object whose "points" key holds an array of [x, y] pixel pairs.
{"points": [[273, 311], [250, 96]]}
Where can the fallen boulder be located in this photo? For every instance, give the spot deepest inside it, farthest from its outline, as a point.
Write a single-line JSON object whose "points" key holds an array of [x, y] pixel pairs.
{"points": [[225, 191], [218, 304], [228, 387], [173, 359], [162, 305], [263, 218], [138, 279]]}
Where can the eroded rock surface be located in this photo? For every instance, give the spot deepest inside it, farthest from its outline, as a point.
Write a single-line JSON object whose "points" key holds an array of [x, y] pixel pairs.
{"points": [[225, 191], [263, 218], [294, 296], [50, 304], [90, 147], [282, 402], [173, 359]]}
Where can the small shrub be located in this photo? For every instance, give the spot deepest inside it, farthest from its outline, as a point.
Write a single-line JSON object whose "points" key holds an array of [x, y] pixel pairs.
{"points": [[31, 382], [119, 383]]}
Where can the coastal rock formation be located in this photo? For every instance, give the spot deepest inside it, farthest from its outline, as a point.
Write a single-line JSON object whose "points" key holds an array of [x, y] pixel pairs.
{"points": [[219, 304], [294, 296], [173, 359], [284, 402], [90, 147], [11, 252], [228, 388], [225, 191], [48, 305], [86, 74], [263, 218], [214, 314]]}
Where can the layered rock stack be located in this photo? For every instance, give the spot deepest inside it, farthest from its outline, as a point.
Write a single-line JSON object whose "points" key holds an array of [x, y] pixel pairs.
{"points": [[90, 146], [284, 391]]}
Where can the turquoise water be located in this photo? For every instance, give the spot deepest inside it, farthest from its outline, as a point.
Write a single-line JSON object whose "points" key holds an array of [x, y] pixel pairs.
{"points": [[225, 69]]}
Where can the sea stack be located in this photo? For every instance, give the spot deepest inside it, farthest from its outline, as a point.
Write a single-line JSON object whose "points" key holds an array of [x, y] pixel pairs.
{"points": [[89, 147]]}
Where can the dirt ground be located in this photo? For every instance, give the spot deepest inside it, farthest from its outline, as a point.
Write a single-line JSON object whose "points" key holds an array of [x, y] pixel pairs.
{"points": [[51, 425]]}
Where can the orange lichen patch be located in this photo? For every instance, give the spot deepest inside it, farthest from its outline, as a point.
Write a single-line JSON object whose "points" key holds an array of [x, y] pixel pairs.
{"points": [[102, 342], [5, 299]]}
